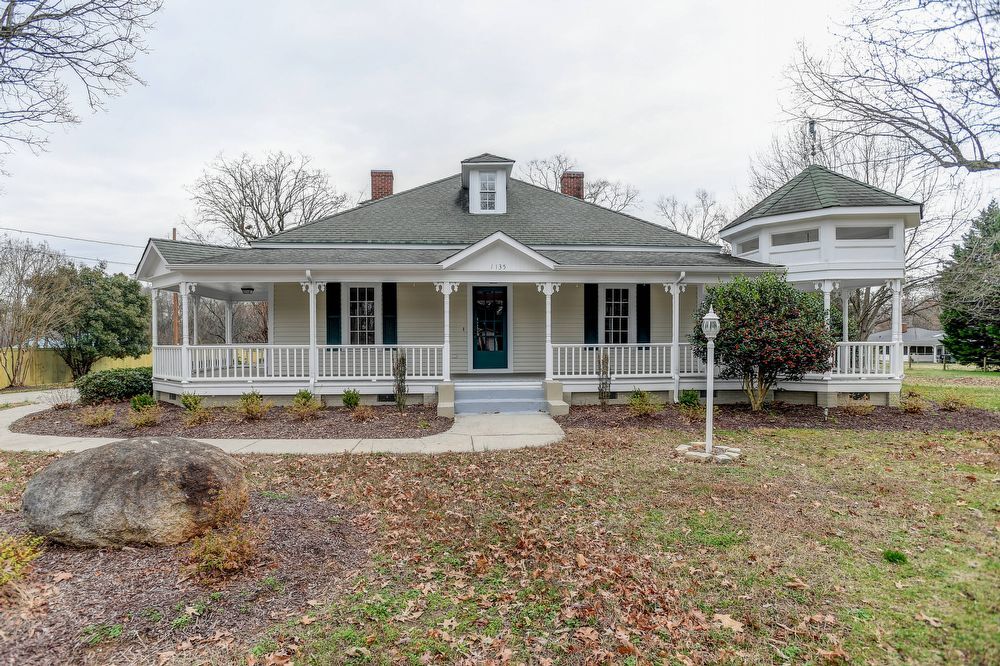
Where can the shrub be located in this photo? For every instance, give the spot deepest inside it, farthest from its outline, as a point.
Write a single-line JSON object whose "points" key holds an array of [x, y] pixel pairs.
{"points": [[191, 402], [305, 406], [689, 398], [399, 381], [252, 406], [60, 398], [856, 407], [913, 403], [95, 417], [145, 417], [142, 401], [351, 398], [221, 553], [196, 416], [953, 402], [643, 403], [16, 555], [116, 385], [770, 332], [604, 380], [363, 413]]}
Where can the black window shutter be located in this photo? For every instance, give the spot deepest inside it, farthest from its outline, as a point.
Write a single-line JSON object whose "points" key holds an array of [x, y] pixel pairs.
{"points": [[389, 313], [590, 317], [642, 313], [333, 313]]}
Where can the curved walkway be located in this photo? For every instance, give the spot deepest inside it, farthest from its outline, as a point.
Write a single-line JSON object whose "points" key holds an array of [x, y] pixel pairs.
{"points": [[470, 433]]}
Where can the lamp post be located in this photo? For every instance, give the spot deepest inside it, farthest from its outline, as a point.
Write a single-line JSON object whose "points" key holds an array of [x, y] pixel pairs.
{"points": [[710, 327]]}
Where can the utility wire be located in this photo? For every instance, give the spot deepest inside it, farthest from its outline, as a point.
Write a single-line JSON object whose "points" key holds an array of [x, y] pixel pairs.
{"points": [[74, 238]]}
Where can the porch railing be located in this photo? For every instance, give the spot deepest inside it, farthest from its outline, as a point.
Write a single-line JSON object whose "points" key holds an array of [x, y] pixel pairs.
{"points": [[168, 362], [688, 362], [245, 362], [633, 360], [867, 359], [376, 361]]}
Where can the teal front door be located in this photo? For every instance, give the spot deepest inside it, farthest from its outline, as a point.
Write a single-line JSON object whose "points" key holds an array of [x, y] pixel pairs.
{"points": [[489, 328]]}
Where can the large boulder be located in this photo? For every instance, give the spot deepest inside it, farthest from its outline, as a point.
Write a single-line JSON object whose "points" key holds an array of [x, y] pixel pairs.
{"points": [[149, 490]]}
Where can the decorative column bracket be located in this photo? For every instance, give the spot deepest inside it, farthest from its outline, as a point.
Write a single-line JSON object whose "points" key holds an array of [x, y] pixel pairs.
{"points": [[548, 288], [675, 289], [446, 289]]}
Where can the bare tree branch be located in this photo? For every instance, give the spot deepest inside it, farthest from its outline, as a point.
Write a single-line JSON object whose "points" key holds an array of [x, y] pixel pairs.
{"points": [[547, 172], [920, 72], [703, 219], [51, 48]]}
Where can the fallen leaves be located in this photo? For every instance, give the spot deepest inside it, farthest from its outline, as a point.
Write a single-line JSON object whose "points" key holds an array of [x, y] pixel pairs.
{"points": [[797, 584], [932, 621], [726, 621]]}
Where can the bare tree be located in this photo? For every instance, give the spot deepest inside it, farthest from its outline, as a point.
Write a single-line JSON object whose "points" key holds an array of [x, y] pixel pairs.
{"points": [[948, 201], [244, 199], [32, 302], [49, 48], [703, 219], [547, 172], [923, 73]]}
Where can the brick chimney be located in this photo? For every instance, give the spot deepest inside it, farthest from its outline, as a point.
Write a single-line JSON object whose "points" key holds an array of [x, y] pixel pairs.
{"points": [[381, 183], [571, 184]]}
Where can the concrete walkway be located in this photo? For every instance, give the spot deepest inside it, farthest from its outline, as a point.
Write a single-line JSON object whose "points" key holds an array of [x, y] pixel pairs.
{"points": [[479, 432]]}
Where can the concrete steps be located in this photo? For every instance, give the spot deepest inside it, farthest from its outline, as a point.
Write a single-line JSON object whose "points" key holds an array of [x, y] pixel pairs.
{"points": [[499, 397]]}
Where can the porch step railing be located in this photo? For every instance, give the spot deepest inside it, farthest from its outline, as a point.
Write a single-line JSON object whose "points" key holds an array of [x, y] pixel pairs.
{"points": [[632, 360], [864, 359], [376, 361]]}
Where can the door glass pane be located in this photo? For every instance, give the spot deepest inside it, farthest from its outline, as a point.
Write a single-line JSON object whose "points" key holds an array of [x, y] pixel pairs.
{"points": [[490, 319]]}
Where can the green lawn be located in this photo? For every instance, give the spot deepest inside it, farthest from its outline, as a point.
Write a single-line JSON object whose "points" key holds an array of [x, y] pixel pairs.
{"points": [[816, 547], [976, 387]]}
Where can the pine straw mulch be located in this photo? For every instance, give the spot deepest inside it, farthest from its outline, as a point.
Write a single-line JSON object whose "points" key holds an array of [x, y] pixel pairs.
{"points": [[226, 423], [784, 415], [141, 606]]}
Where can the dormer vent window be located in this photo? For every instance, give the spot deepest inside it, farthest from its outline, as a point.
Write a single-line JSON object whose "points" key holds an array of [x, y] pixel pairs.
{"points": [[488, 190]]}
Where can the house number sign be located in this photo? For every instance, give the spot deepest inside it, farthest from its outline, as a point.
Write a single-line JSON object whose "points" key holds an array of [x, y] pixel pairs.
{"points": [[498, 267]]}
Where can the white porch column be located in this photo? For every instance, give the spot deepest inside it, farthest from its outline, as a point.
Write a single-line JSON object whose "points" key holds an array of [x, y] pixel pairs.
{"points": [[845, 304], [195, 303], [827, 287], [548, 288], [229, 322], [185, 288], [897, 326], [313, 288], [446, 289], [154, 295], [675, 289]]}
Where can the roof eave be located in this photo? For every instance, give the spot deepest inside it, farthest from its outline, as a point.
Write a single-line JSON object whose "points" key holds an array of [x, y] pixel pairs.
{"points": [[910, 213]]}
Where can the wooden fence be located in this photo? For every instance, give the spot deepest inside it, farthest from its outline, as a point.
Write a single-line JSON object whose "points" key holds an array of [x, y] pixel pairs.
{"points": [[45, 366]]}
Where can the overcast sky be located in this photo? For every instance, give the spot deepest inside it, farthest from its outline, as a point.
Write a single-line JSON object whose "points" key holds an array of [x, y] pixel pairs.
{"points": [[667, 96]]}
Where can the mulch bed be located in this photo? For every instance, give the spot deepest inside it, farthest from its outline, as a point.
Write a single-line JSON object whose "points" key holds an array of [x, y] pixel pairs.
{"points": [[333, 423], [308, 550], [784, 415]]}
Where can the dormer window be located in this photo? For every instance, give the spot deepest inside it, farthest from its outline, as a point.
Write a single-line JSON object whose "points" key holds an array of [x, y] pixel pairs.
{"points": [[488, 190]]}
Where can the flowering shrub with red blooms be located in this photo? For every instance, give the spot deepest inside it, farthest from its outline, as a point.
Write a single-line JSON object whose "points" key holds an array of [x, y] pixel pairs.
{"points": [[770, 331]]}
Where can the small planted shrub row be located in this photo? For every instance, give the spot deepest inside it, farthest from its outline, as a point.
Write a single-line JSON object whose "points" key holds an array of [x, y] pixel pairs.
{"points": [[252, 406], [222, 552], [305, 406], [114, 385], [643, 403]]}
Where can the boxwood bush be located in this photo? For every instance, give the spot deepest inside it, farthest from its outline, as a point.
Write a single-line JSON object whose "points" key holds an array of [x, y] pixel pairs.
{"points": [[116, 385]]}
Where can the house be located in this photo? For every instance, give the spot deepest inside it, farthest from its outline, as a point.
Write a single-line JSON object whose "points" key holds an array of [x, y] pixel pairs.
{"points": [[920, 345], [505, 296]]}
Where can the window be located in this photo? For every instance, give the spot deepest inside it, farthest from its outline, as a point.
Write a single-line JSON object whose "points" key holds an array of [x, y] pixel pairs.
{"points": [[361, 315], [616, 315], [751, 245], [487, 190], [864, 233], [795, 237]]}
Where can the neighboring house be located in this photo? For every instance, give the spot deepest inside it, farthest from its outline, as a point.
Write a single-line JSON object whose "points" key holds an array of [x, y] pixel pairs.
{"points": [[920, 345], [504, 296]]}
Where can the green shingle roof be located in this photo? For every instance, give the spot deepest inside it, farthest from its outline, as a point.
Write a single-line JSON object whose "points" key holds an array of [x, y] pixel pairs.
{"points": [[438, 213], [486, 158], [816, 188]]}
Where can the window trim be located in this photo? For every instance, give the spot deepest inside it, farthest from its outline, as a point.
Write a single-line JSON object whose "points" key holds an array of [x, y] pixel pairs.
{"points": [[775, 234], [345, 312], [602, 309], [484, 177], [889, 227]]}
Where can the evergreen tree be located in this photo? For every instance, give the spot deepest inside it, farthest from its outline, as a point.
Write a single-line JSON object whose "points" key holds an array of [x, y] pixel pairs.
{"points": [[970, 293]]}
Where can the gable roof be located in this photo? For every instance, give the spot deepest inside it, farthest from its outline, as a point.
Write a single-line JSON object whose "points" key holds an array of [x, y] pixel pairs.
{"points": [[438, 213], [816, 188], [486, 158], [186, 252]]}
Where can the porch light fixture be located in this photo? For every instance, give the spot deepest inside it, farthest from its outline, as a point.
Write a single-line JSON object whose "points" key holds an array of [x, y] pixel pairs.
{"points": [[247, 290], [710, 326]]}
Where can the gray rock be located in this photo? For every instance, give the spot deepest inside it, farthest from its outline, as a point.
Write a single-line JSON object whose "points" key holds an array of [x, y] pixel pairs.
{"points": [[149, 490]]}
